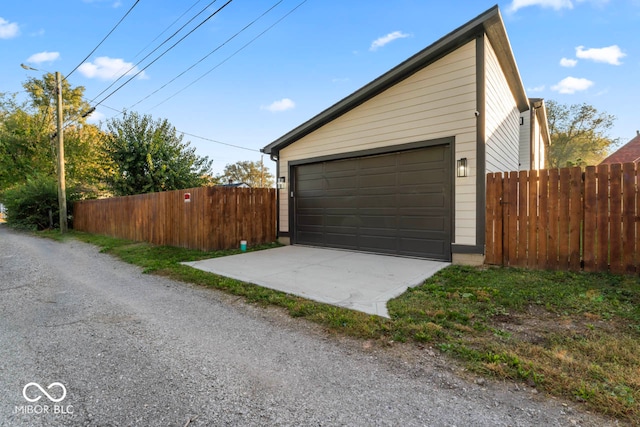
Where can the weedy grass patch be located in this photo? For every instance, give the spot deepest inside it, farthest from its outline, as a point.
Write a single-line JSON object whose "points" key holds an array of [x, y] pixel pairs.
{"points": [[571, 335]]}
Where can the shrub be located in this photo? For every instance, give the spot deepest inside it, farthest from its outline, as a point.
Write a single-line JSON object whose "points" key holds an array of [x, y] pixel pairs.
{"points": [[34, 204]]}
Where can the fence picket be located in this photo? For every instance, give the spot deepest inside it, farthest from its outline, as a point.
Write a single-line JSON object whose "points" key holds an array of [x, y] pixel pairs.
{"points": [[590, 217], [602, 260], [628, 217], [512, 208], [543, 212], [532, 239], [563, 219], [615, 218], [575, 217], [552, 230]]}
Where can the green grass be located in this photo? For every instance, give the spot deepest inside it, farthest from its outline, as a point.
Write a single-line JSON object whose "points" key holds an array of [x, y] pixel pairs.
{"points": [[571, 335]]}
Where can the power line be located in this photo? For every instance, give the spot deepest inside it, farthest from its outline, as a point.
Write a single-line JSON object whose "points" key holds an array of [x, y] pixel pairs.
{"points": [[105, 37], [165, 52], [209, 54], [169, 26], [193, 135], [154, 50], [230, 56], [219, 142]]}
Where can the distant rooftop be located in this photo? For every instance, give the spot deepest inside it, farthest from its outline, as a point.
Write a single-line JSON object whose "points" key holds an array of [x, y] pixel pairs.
{"points": [[628, 153]]}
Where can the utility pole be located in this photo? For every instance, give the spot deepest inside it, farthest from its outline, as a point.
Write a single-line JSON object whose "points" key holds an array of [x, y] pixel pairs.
{"points": [[62, 191]]}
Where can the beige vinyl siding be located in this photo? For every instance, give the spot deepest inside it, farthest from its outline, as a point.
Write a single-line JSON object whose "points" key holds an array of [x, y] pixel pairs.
{"points": [[502, 122], [525, 141], [435, 102], [538, 145]]}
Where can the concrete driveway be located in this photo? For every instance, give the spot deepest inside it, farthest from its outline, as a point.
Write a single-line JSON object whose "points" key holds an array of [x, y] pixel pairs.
{"points": [[355, 280]]}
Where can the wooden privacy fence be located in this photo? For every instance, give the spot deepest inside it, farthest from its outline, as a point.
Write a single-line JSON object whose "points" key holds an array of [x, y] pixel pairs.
{"points": [[565, 219], [213, 218]]}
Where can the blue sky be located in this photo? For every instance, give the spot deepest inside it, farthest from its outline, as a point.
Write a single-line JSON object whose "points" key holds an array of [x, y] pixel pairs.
{"points": [[283, 69]]}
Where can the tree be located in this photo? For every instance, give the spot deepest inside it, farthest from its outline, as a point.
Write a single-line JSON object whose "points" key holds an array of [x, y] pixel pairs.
{"points": [[148, 156], [252, 173], [27, 136], [578, 134]]}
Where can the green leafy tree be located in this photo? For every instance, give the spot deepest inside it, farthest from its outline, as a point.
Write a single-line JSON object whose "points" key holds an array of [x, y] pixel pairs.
{"points": [[27, 136], [252, 173], [149, 156], [578, 134], [25, 148]]}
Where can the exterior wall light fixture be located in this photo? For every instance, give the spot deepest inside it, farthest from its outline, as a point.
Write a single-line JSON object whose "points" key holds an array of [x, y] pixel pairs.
{"points": [[461, 167], [282, 182]]}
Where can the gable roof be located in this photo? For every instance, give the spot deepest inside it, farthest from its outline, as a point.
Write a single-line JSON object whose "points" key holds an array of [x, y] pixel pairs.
{"points": [[489, 23], [628, 153]]}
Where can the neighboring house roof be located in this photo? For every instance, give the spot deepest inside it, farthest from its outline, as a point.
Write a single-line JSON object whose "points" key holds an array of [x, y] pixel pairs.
{"points": [[236, 184], [628, 153], [490, 23]]}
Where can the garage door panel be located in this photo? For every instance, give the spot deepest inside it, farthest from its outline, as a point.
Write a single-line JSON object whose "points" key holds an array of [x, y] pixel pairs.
{"points": [[383, 180], [418, 223], [431, 201], [379, 244], [421, 247], [421, 176], [310, 185], [340, 183], [434, 154], [417, 193], [397, 203], [338, 168], [310, 220], [341, 221], [382, 200], [340, 240]]}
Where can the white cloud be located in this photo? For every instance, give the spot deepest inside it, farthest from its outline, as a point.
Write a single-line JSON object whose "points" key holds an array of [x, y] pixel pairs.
{"points": [[381, 41], [553, 4], [597, 3], [95, 117], [106, 68], [571, 85], [8, 30], [39, 58], [610, 55], [569, 63], [536, 89], [277, 106]]}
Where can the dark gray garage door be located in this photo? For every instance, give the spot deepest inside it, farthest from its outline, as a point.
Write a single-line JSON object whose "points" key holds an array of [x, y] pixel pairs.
{"points": [[398, 203]]}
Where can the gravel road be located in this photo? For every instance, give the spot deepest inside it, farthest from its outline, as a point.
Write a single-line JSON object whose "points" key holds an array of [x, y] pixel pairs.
{"points": [[129, 349]]}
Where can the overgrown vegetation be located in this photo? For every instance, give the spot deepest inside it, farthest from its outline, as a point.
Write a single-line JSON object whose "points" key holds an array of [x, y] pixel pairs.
{"points": [[575, 336], [34, 204]]}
